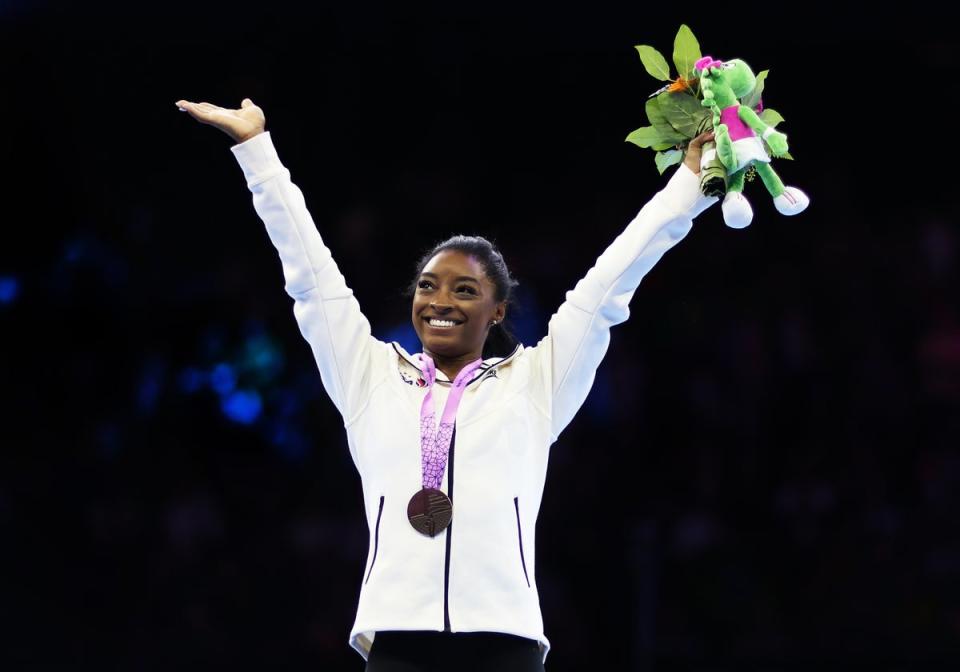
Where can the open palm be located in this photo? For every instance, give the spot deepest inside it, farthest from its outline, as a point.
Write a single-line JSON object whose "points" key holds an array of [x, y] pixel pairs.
{"points": [[241, 124]]}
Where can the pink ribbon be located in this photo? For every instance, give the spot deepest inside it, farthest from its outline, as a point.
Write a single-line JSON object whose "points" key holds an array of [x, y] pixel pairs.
{"points": [[435, 441]]}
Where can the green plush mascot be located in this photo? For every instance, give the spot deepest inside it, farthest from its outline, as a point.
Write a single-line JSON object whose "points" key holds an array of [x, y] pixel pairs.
{"points": [[738, 146], [725, 97]]}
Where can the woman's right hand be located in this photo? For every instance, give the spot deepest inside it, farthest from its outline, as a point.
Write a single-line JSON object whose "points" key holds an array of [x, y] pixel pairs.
{"points": [[241, 124], [692, 155]]}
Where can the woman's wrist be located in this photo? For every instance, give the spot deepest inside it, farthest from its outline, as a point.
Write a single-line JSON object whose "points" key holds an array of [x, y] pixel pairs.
{"points": [[240, 139]]}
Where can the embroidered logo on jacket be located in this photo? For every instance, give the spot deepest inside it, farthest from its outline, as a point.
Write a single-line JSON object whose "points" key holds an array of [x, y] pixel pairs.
{"points": [[492, 373], [410, 374]]}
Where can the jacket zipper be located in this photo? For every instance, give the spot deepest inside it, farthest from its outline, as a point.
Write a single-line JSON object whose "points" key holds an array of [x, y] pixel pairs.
{"points": [[376, 539], [446, 561], [516, 505]]}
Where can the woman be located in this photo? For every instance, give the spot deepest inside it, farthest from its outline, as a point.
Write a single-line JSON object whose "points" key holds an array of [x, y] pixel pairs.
{"points": [[445, 587]]}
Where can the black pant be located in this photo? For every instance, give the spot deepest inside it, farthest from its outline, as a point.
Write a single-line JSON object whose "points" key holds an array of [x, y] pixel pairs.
{"points": [[430, 651]]}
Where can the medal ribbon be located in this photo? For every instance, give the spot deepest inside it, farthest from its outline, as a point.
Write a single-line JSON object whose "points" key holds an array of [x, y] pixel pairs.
{"points": [[434, 441]]}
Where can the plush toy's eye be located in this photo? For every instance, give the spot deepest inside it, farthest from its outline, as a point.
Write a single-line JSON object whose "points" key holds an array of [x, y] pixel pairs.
{"points": [[728, 65]]}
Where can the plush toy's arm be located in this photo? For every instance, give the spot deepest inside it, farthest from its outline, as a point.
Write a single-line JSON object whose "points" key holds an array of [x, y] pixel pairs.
{"points": [[751, 119], [774, 138]]}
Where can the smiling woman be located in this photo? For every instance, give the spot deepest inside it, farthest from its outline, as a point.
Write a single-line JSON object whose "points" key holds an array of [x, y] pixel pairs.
{"points": [[453, 309], [445, 601], [461, 291]]}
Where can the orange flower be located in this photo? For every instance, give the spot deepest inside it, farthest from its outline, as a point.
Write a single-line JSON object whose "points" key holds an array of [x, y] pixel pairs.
{"points": [[681, 84]]}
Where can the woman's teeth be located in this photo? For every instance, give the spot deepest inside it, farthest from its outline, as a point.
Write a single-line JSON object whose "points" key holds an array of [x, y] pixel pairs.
{"points": [[442, 323]]}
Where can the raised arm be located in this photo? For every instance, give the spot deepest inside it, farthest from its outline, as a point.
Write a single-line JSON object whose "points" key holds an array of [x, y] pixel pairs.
{"points": [[578, 334], [326, 310]]}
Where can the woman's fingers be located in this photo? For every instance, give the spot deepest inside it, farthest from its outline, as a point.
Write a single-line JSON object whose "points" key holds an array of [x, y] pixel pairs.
{"points": [[240, 124], [195, 111], [706, 136], [188, 107], [209, 109], [694, 150], [203, 112], [186, 104]]}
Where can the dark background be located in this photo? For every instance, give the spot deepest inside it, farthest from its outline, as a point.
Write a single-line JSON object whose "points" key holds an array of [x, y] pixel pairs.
{"points": [[775, 425]]}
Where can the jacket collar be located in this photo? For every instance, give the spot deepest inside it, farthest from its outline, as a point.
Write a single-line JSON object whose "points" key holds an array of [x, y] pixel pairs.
{"points": [[489, 363]]}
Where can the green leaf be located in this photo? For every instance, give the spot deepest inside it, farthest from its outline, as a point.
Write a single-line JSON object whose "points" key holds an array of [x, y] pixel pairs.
{"points": [[646, 136], [660, 146], [752, 98], [683, 112], [654, 62], [713, 176], [666, 159], [785, 155], [686, 51], [770, 117], [659, 121], [706, 124]]}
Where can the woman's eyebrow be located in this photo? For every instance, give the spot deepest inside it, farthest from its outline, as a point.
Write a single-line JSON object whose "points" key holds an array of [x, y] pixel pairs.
{"points": [[456, 279]]}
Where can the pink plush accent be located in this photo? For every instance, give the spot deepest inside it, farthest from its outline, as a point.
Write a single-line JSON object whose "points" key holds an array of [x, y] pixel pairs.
{"points": [[738, 129], [707, 62]]}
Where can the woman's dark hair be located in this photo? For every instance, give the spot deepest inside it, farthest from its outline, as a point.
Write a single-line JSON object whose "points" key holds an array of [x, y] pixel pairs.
{"points": [[500, 342]]}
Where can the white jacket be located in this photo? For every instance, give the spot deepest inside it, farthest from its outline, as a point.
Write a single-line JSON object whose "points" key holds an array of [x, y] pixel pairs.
{"points": [[478, 575]]}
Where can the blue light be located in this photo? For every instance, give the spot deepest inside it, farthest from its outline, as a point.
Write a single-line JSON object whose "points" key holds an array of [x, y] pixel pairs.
{"points": [[74, 250], [405, 335], [290, 442], [243, 406], [527, 321], [9, 288], [223, 379], [149, 391], [262, 358], [191, 379], [212, 344], [288, 402], [294, 449], [261, 355]]}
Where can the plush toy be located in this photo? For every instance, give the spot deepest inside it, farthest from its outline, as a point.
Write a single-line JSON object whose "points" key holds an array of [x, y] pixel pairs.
{"points": [[726, 97], [737, 144]]}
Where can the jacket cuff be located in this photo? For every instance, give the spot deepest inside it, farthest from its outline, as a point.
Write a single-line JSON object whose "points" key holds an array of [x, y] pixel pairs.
{"points": [[682, 193], [258, 158]]}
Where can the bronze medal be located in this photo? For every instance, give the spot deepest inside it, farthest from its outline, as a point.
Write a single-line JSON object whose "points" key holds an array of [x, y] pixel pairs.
{"points": [[430, 511]]}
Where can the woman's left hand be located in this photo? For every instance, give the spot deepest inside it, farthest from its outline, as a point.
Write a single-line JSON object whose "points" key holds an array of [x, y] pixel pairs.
{"points": [[241, 124], [691, 158]]}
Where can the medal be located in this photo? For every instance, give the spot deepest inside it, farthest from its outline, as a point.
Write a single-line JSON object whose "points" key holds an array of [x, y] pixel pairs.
{"points": [[430, 510]]}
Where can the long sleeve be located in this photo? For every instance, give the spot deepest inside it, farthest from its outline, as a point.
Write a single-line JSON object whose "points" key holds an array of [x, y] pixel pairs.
{"points": [[326, 310], [578, 334]]}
